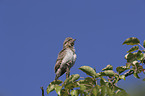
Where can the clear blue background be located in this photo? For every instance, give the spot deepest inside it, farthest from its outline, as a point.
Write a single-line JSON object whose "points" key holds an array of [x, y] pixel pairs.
{"points": [[32, 33]]}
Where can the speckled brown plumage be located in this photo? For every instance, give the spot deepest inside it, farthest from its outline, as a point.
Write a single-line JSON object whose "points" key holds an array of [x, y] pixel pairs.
{"points": [[66, 57]]}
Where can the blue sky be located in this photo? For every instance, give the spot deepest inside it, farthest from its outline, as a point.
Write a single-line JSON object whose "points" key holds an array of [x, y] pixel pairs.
{"points": [[32, 33]]}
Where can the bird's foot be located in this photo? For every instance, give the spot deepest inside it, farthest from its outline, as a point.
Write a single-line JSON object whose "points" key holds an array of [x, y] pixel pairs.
{"points": [[67, 72]]}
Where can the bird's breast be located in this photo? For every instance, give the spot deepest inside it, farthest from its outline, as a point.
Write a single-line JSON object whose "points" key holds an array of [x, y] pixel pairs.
{"points": [[70, 56]]}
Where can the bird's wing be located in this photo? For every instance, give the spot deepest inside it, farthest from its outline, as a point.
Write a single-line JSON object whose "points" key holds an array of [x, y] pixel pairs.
{"points": [[59, 59]]}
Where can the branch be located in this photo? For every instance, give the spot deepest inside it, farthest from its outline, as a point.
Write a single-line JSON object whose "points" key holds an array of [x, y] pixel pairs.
{"points": [[42, 91], [128, 73], [141, 46]]}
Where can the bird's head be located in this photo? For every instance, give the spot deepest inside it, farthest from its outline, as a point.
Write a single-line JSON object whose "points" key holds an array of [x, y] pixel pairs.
{"points": [[68, 42]]}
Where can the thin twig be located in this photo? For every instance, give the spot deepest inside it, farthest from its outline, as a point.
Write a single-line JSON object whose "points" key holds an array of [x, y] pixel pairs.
{"points": [[42, 91], [128, 73], [141, 46]]}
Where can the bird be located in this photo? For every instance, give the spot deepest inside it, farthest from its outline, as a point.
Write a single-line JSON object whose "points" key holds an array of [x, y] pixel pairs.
{"points": [[66, 58]]}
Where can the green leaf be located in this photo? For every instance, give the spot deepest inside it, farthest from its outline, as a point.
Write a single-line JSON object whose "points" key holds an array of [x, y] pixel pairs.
{"points": [[52, 85], [71, 78], [82, 82], [140, 55], [50, 89], [56, 82], [108, 67], [144, 43], [109, 92], [86, 84], [82, 87], [103, 90], [71, 85], [58, 89], [131, 41], [70, 82], [64, 92], [135, 62], [143, 51], [89, 71], [121, 69], [143, 79], [120, 91], [128, 65], [126, 55], [75, 77], [108, 73], [74, 93], [134, 48], [95, 90], [90, 80], [143, 60], [122, 77], [87, 81], [103, 81], [136, 75], [131, 57]]}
